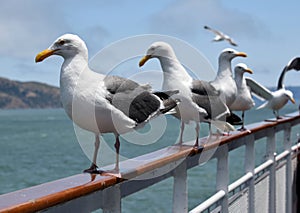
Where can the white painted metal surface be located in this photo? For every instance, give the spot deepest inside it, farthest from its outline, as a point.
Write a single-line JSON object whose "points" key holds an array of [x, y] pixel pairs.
{"points": [[209, 202], [180, 191]]}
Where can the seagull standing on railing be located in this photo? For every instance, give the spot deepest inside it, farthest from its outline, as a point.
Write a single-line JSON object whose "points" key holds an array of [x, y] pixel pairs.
{"points": [[243, 100], [277, 99], [220, 36], [200, 102], [100, 103], [224, 81]]}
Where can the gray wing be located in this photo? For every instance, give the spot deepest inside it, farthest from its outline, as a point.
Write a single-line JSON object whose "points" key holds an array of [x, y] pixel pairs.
{"points": [[115, 84], [132, 99], [258, 89], [208, 98], [220, 35], [214, 31], [280, 84], [231, 42]]}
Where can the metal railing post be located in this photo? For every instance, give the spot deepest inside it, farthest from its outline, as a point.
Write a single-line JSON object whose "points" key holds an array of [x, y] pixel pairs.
{"points": [[249, 167], [180, 190], [112, 199], [288, 147], [270, 155], [223, 175]]}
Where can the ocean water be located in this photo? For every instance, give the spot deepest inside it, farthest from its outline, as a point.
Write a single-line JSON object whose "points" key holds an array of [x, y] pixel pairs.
{"points": [[38, 146]]}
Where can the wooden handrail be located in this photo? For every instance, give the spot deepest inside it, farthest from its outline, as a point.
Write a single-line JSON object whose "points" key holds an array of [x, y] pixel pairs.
{"points": [[52, 193]]}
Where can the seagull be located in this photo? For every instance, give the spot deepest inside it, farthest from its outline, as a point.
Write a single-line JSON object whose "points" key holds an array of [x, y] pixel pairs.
{"points": [[243, 100], [293, 64], [220, 36], [100, 103], [224, 81], [200, 102], [277, 99]]}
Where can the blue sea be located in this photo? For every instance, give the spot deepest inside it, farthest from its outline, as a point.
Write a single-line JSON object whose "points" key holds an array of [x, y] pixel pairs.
{"points": [[40, 145]]}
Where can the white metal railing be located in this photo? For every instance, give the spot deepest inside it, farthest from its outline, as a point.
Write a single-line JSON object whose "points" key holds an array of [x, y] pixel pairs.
{"points": [[84, 193], [270, 166]]}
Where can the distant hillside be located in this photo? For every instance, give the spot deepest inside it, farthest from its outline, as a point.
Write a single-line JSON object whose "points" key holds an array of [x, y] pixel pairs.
{"points": [[21, 95], [16, 95]]}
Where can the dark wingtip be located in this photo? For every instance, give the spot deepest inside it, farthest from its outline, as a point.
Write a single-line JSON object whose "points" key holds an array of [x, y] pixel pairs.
{"points": [[234, 119], [294, 64], [169, 103]]}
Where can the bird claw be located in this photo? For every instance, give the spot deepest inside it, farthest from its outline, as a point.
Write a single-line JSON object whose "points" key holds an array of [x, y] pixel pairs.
{"points": [[114, 172], [95, 170], [225, 133], [242, 129], [269, 120], [92, 170]]}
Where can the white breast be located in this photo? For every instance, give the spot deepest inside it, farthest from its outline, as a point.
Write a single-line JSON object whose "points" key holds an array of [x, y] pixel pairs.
{"points": [[84, 101]]}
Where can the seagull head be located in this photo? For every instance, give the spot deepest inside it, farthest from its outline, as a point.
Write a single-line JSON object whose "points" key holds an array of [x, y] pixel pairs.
{"points": [[228, 54], [290, 96], [67, 46], [158, 50], [241, 68]]}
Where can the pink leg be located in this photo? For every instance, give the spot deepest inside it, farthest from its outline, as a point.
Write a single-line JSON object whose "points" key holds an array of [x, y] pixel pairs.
{"points": [[94, 167]]}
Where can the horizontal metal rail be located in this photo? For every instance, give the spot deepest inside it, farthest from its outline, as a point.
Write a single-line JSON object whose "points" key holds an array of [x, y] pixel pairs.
{"points": [[263, 166], [209, 202], [240, 181]]}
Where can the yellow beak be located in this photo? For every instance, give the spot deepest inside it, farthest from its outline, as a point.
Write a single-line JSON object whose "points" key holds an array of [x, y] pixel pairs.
{"points": [[249, 71], [293, 100], [44, 54], [242, 54], [144, 60]]}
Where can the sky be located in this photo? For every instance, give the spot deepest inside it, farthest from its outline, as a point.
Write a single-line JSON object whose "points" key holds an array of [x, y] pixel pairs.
{"points": [[267, 31]]}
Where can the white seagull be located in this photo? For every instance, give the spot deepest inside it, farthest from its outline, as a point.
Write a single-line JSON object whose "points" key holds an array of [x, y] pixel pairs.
{"points": [[200, 102], [293, 64], [100, 103], [224, 81], [220, 36], [243, 100], [274, 100]]}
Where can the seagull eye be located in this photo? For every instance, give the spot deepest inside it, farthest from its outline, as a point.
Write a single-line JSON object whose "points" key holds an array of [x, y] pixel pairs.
{"points": [[61, 42]]}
